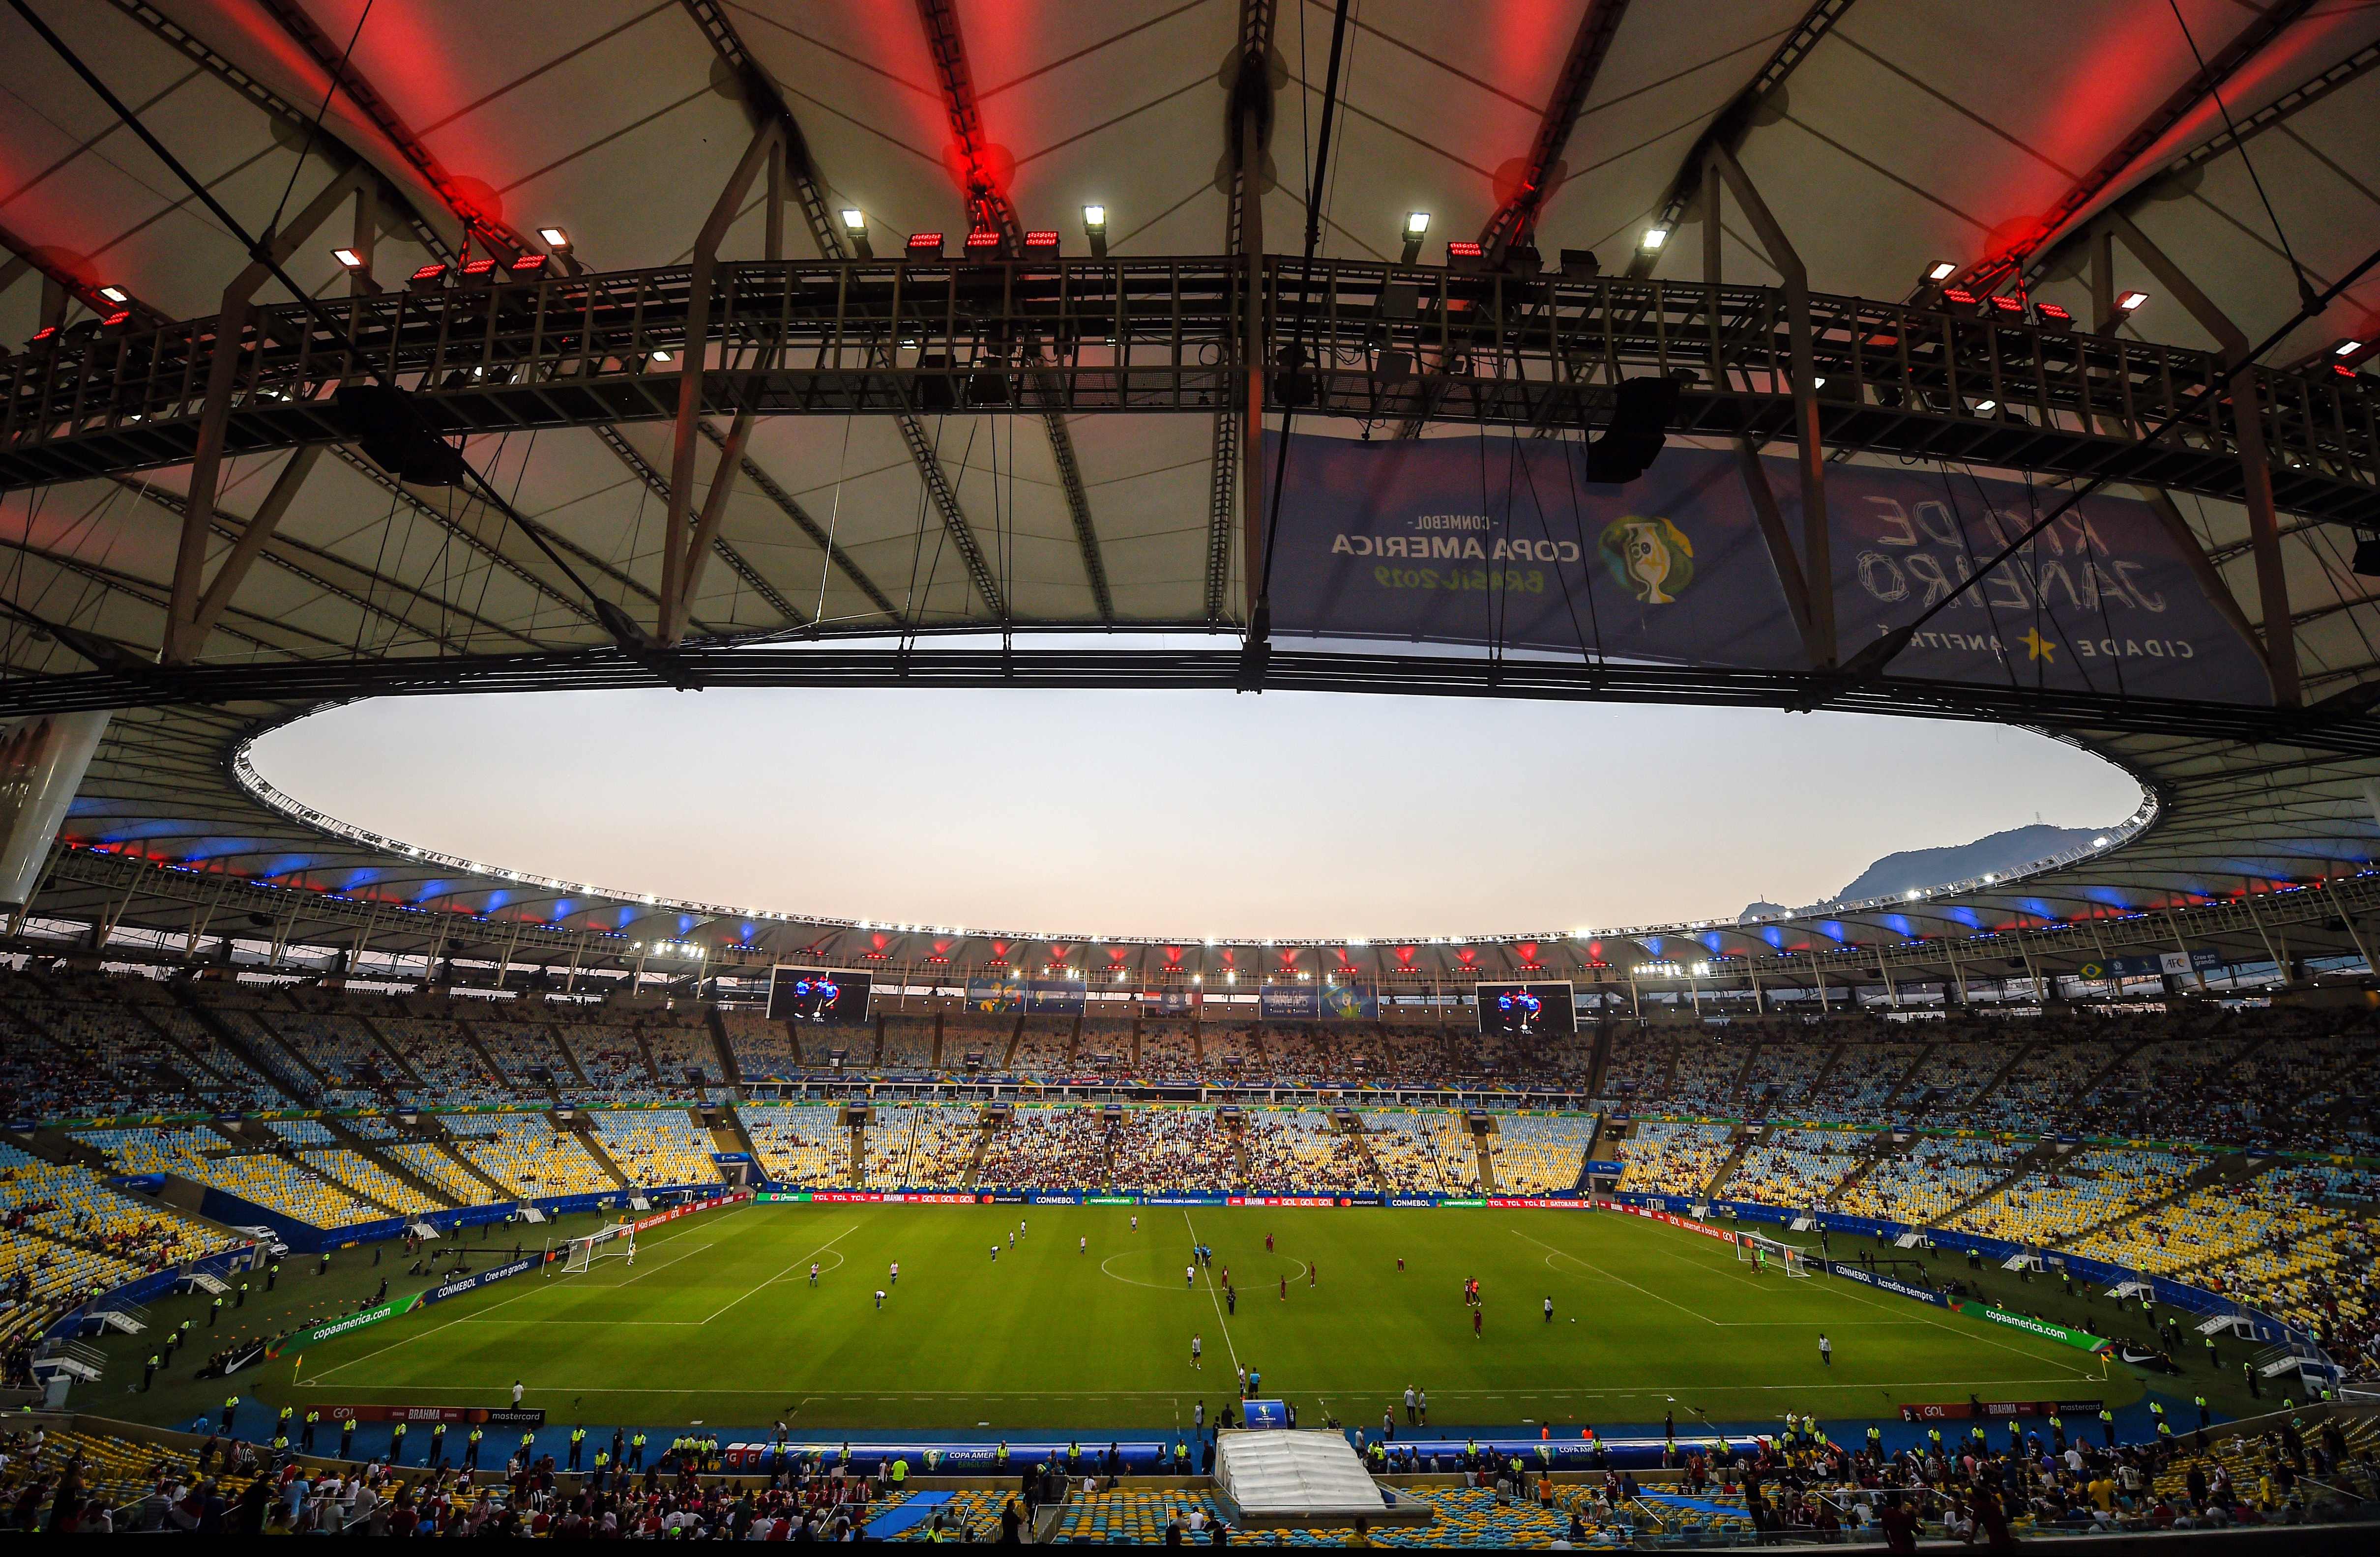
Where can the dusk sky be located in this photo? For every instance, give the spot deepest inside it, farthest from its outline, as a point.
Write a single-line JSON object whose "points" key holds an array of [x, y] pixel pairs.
{"points": [[1180, 813]]}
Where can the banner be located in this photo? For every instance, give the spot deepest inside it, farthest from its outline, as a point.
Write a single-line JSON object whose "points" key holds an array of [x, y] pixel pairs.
{"points": [[1480, 541], [358, 1321], [713, 1204], [1287, 1002], [1051, 997], [1960, 1411], [461, 1285], [2031, 1327], [1884, 1283]]}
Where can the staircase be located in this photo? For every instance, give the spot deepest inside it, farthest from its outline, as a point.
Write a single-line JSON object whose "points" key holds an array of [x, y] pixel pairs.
{"points": [[397, 1061], [713, 1019], [489, 1060], [1487, 1184], [569, 1055], [1752, 1136], [1880, 1149], [1833, 1060], [2024, 1051], [336, 1182], [594, 1149], [982, 1143], [222, 1032], [2044, 1155], [396, 1168], [1601, 1061], [729, 1135], [1902, 1085], [1016, 1037], [447, 1142], [2229, 1169], [1353, 1130]]}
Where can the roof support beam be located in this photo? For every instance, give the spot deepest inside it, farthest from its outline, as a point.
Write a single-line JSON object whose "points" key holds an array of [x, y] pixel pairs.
{"points": [[334, 61], [989, 209], [792, 509], [1809, 452], [677, 568], [1246, 130], [184, 639], [766, 103], [2248, 423], [1515, 222], [222, 374], [1728, 127], [1987, 273]]}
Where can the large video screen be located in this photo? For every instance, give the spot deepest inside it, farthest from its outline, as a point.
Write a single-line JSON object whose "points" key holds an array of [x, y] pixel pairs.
{"points": [[831, 996], [1527, 1010]]}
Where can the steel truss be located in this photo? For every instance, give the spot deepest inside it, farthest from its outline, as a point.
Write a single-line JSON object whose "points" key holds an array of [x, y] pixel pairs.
{"points": [[853, 662], [1157, 336], [331, 920]]}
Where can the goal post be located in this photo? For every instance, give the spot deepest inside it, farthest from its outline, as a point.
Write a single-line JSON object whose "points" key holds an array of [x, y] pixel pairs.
{"points": [[615, 1242], [1766, 1253]]}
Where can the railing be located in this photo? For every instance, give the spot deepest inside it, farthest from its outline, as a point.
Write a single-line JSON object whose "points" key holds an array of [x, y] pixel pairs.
{"points": [[1378, 342]]}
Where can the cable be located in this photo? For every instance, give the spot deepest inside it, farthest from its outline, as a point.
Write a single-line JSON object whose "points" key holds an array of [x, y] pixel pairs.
{"points": [[1871, 660], [2215, 91], [313, 130]]}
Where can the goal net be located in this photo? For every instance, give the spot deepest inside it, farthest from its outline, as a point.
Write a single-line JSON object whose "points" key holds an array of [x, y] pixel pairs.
{"points": [[1766, 1253], [611, 1243]]}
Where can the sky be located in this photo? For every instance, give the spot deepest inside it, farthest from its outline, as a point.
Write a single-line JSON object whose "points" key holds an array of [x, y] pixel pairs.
{"points": [[1178, 813]]}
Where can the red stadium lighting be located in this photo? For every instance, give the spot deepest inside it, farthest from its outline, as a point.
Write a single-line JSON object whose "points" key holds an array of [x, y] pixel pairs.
{"points": [[1041, 244], [529, 265], [429, 277], [982, 243], [1957, 300], [924, 245], [478, 273], [2009, 308], [2049, 316]]}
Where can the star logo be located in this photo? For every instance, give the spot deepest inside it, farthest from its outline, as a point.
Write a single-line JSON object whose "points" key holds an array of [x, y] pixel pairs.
{"points": [[2038, 648]]}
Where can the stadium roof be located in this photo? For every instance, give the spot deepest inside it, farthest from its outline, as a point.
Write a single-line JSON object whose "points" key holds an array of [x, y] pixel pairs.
{"points": [[1884, 137]]}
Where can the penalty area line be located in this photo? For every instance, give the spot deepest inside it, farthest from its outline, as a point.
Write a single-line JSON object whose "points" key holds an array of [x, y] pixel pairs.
{"points": [[784, 1273]]}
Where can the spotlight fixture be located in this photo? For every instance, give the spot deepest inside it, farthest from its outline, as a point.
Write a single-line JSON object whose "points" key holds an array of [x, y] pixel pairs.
{"points": [[1653, 239], [2344, 348], [429, 278], [115, 295], [553, 237], [1416, 228], [1095, 228], [1041, 244], [855, 227], [349, 258], [924, 245], [661, 356], [2049, 316], [1463, 255], [525, 266], [1940, 271], [2131, 302]]}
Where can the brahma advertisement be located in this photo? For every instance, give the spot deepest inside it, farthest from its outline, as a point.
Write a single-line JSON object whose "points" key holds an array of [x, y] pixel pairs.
{"points": [[1500, 540]]}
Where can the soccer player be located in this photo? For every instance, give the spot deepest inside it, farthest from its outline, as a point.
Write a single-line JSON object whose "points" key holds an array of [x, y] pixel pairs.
{"points": [[1135, 1223], [894, 1279], [1268, 1243], [1242, 1370], [1082, 1245], [1475, 1324], [1549, 1311], [879, 1300], [1189, 1275], [1285, 1289], [1195, 1342], [995, 1254], [1401, 1262], [1310, 1272], [1826, 1348], [1230, 1300], [1012, 1240], [813, 1272]]}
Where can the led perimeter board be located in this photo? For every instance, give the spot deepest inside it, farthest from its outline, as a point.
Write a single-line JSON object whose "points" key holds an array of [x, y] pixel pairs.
{"points": [[1527, 1010], [831, 996]]}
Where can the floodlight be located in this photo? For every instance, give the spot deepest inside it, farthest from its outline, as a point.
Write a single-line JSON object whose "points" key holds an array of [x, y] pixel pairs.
{"points": [[1653, 239], [2344, 348], [2131, 301], [1940, 270], [114, 295], [553, 237], [853, 220], [659, 355], [349, 258], [1417, 227]]}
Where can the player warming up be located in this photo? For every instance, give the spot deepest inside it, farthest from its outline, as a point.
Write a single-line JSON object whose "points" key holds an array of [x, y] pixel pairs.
{"points": [[1197, 1342]]}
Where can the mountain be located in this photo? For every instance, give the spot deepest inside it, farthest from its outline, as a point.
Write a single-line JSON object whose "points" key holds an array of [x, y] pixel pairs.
{"points": [[1756, 911], [1896, 874]]}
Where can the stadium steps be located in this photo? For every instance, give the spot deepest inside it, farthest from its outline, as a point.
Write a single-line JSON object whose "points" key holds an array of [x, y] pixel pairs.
{"points": [[1016, 1037], [1364, 1148], [2044, 1155], [1074, 1041], [1743, 1071], [1135, 1039], [487, 1060], [445, 1142], [1487, 1184], [935, 1054], [1924, 1054], [223, 1034], [1881, 1149], [55, 1145], [2231, 1168], [876, 1050], [729, 1134], [2099, 1076], [1601, 1061], [983, 1133], [2020, 1053], [1752, 1136], [336, 1182], [644, 1051], [305, 1065], [591, 1144], [397, 1062], [562, 1041], [396, 1168], [725, 1048], [1834, 1059]]}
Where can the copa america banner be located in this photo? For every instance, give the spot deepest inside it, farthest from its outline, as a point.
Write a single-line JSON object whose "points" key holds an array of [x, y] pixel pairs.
{"points": [[1305, 1002], [1480, 541]]}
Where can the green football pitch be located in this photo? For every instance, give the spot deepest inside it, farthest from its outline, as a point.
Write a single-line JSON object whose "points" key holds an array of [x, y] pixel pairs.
{"points": [[1086, 1321]]}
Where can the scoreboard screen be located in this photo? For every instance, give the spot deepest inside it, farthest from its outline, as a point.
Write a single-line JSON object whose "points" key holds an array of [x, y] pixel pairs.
{"points": [[1527, 1009], [831, 996]]}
